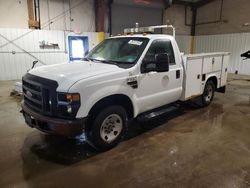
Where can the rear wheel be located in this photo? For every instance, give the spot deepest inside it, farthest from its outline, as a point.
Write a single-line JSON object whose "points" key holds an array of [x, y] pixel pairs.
{"points": [[108, 127], [208, 93]]}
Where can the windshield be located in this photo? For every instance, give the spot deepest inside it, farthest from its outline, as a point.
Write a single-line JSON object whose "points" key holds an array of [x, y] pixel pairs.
{"points": [[119, 50]]}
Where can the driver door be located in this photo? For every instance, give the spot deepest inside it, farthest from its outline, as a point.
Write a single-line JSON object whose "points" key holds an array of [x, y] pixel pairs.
{"points": [[157, 88]]}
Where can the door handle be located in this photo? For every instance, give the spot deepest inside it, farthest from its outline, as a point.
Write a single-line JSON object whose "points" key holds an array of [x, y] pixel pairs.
{"points": [[178, 74], [213, 60]]}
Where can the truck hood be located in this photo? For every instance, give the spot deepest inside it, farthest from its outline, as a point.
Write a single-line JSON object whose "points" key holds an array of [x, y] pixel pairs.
{"points": [[67, 74]]}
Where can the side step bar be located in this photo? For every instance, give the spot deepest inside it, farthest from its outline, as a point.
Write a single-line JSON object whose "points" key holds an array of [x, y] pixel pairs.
{"points": [[157, 112]]}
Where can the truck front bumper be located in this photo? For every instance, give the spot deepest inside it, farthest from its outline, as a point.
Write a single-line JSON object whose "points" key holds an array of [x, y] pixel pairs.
{"points": [[52, 125]]}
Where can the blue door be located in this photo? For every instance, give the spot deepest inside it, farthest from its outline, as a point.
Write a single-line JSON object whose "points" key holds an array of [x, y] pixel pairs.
{"points": [[78, 47]]}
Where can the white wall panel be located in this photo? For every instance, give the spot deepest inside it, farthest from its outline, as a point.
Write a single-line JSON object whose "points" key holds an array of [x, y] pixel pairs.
{"points": [[61, 14], [14, 62], [234, 43], [13, 13]]}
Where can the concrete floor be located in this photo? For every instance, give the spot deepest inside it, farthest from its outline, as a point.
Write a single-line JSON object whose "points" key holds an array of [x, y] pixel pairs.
{"points": [[193, 147]]}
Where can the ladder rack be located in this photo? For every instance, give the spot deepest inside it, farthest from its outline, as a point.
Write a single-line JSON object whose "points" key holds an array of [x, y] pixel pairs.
{"points": [[149, 29]]}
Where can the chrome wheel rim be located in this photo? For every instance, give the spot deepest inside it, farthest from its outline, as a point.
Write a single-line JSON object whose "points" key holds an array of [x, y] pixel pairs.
{"points": [[208, 93], [111, 128]]}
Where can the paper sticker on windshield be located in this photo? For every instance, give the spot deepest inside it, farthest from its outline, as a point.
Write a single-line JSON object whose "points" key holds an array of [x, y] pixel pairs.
{"points": [[135, 42]]}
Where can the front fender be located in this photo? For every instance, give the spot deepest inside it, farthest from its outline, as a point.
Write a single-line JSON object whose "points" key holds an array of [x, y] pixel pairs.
{"points": [[89, 99]]}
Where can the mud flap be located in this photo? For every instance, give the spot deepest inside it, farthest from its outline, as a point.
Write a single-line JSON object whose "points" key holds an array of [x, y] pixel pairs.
{"points": [[221, 89]]}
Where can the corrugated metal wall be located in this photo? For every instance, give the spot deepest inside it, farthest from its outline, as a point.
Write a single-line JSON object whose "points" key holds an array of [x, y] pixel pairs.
{"points": [[14, 61], [234, 43], [184, 42]]}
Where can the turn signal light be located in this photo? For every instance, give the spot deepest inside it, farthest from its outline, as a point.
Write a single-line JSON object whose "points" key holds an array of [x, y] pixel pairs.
{"points": [[72, 97]]}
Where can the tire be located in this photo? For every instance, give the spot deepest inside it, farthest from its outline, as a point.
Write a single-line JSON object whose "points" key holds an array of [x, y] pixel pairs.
{"points": [[107, 128], [208, 94]]}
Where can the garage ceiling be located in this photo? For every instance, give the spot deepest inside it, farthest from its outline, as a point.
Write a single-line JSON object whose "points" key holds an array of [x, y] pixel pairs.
{"points": [[193, 3]]}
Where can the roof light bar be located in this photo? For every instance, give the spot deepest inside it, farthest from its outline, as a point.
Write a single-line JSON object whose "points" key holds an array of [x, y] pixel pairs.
{"points": [[149, 29]]}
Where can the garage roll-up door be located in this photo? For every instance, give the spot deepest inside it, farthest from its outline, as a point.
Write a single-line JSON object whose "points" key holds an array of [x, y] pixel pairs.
{"points": [[125, 14]]}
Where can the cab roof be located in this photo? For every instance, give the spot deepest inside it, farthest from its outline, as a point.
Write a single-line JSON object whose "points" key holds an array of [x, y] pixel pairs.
{"points": [[149, 36]]}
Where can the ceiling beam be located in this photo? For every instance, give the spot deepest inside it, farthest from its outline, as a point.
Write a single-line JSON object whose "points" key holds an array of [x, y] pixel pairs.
{"points": [[179, 2], [202, 3]]}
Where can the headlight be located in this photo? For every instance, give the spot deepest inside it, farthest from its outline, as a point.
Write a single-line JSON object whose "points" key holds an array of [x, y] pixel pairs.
{"points": [[68, 97], [68, 104]]}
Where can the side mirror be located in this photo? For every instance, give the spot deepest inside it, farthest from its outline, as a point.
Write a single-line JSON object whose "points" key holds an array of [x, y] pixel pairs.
{"points": [[160, 63]]}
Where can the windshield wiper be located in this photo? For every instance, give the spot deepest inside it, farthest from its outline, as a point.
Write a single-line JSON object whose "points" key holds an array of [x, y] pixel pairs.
{"points": [[86, 59], [99, 60], [104, 61]]}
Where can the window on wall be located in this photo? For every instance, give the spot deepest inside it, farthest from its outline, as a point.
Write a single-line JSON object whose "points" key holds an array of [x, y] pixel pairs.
{"points": [[78, 47]]}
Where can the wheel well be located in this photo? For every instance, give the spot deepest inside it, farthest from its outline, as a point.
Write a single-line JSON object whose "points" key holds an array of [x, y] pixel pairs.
{"points": [[118, 99], [214, 80]]}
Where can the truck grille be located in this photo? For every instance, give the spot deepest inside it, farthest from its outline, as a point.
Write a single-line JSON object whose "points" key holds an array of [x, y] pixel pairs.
{"points": [[40, 94]]}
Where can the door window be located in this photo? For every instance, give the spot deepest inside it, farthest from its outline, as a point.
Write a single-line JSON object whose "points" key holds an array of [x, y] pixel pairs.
{"points": [[158, 47]]}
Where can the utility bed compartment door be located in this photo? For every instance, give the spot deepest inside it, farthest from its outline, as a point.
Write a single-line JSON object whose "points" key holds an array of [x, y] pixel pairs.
{"points": [[212, 64], [204, 64], [193, 78], [224, 70]]}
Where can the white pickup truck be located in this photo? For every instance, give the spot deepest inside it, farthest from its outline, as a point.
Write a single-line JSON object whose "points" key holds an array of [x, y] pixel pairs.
{"points": [[124, 77]]}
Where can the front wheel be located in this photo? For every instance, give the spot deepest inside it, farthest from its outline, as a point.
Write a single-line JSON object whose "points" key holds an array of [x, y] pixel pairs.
{"points": [[108, 127], [208, 93]]}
